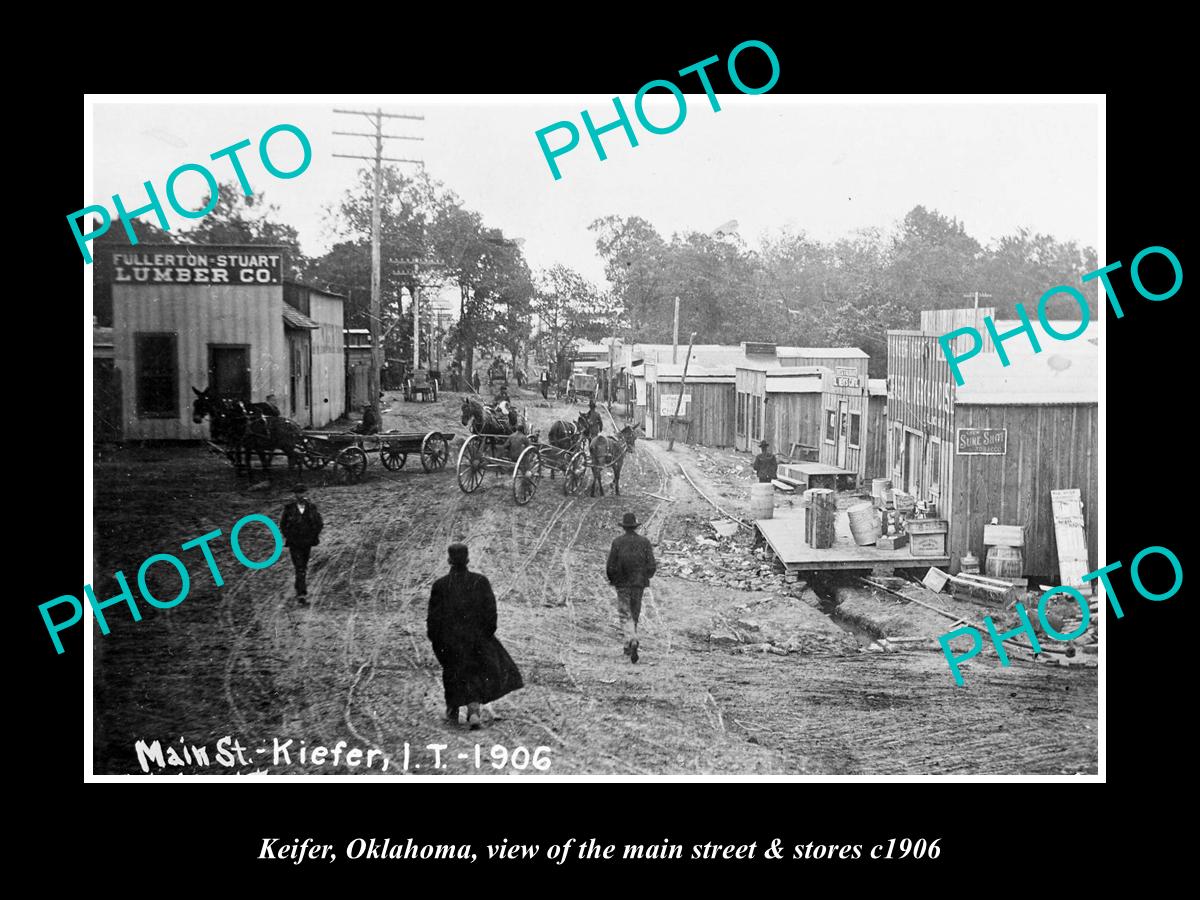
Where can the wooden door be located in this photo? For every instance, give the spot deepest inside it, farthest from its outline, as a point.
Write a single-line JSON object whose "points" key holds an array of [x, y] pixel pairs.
{"points": [[229, 371], [914, 443]]}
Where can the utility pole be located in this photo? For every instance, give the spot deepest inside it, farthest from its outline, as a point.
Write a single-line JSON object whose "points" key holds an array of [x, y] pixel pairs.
{"points": [[375, 313], [682, 384], [675, 339], [977, 295]]}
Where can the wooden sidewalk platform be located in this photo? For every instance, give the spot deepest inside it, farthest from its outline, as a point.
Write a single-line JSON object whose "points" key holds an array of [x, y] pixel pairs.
{"points": [[785, 535]]}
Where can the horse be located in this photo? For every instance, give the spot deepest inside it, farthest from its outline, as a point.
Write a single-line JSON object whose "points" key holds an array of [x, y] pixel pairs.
{"points": [[566, 435], [610, 451], [247, 427], [484, 419]]}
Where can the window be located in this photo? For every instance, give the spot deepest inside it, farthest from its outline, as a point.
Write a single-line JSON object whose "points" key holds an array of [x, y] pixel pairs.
{"points": [[741, 412], [830, 426], [855, 428], [157, 371]]}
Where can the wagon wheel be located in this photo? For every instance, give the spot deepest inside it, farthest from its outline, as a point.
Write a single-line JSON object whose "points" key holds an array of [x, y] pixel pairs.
{"points": [[392, 457], [351, 465], [527, 470], [472, 464], [434, 452], [311, 456], [575, 472]]}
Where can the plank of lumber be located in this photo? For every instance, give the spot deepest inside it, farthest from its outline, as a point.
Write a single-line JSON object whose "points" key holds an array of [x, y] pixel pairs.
{"points": [[792, 481], [780, 486]]}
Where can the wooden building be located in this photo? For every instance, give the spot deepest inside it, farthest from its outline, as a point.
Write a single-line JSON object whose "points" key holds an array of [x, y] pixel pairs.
{"points": [[996, 446], [357, 348], [706, 411], [844, 419], [779, 405], [875, 450], [196, 316], [829, 357]]}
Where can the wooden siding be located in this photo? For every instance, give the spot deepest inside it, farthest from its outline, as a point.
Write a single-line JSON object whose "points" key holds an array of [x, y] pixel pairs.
{"points": [[328, 359], [943, 321], [792, 417], [711, 412], [1049, 448], [859, 363], [875, 463], [198, 315], [921, 400]]}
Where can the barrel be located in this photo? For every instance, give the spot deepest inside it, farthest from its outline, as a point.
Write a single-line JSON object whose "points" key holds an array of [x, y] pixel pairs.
{"points": [[762, 500], [879, 489], [864, 524], [1004, 562]]}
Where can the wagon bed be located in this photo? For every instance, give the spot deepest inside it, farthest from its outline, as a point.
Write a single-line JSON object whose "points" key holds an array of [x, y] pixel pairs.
{"points": [[348, 450]]}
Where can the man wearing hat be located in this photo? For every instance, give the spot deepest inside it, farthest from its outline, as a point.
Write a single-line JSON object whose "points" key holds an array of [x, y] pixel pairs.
{"points": [[461, 625], [594, 422], [301, 526], [765, 464], [630, 567]]}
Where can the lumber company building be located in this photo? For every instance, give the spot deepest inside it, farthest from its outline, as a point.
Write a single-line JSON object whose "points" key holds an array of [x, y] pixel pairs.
{"points": [[197, 316]]}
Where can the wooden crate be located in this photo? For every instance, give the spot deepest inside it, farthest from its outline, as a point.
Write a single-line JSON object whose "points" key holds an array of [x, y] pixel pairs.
{"points": [[928, 544], [926, 526]]}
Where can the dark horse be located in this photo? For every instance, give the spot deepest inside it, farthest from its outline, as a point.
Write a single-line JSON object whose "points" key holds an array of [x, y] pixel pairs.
{"points": [[610, 451], [484, 419], [568, 436], [246, 428]]}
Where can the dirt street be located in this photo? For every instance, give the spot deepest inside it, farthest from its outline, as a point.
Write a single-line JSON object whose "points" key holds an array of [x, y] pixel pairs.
{"points": [[740, 672]]}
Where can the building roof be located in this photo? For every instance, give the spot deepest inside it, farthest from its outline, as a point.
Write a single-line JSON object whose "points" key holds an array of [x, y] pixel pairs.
{"points": [[698, 374], [822, 352], [293, 318], [312, 287], [1064, 374], [795, 384], [787, 371]]}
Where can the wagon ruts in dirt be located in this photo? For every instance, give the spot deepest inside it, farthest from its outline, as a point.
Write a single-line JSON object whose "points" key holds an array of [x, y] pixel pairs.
{"points": [[482, 453], [347, 451]]}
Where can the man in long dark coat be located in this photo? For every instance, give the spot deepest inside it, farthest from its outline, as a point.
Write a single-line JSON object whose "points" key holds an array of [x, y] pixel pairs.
{"points": [[629, 568], [301, 526], [461, 625]]}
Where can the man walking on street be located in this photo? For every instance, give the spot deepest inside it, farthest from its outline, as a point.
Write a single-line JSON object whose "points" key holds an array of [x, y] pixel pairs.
{"points": [[765, 464], [461, 625], [630, 568], [544, 383], [301, 528]]}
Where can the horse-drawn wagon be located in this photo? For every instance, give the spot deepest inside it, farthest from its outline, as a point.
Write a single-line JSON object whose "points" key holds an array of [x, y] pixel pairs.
{"points": [[348, 451], [581, 387]]}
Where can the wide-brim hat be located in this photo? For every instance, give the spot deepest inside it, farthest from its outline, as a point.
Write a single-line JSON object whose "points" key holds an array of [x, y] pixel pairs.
{"points": [[764, 443], [629, 520], [299, 489]]}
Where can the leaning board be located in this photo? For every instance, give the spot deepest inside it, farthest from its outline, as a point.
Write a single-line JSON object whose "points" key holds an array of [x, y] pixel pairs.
{"points": [[1071, 540]]}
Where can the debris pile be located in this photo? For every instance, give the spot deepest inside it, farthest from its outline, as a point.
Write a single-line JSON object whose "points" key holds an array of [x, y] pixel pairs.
{"points": [[721, 561], [748, 628]]}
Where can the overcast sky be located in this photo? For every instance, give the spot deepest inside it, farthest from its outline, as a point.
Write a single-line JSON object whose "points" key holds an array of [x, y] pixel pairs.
{"points": [[768, 162]]}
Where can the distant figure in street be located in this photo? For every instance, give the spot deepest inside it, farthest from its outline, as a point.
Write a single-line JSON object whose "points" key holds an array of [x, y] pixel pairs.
{"points": [[520, 377], [475, 381], [301, 526], [630, 567], [370, 423], [544, 383], [594, 422], [461, 626], [765, 464]]}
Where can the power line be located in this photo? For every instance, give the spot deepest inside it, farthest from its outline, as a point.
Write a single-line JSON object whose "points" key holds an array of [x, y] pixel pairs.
{"points": [[374, 315]]}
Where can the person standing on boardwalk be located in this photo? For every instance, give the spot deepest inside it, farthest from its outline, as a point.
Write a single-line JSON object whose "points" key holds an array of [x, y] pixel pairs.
{"points": [[301, 526], [461, 625], [630, 567], [765, 464]]}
